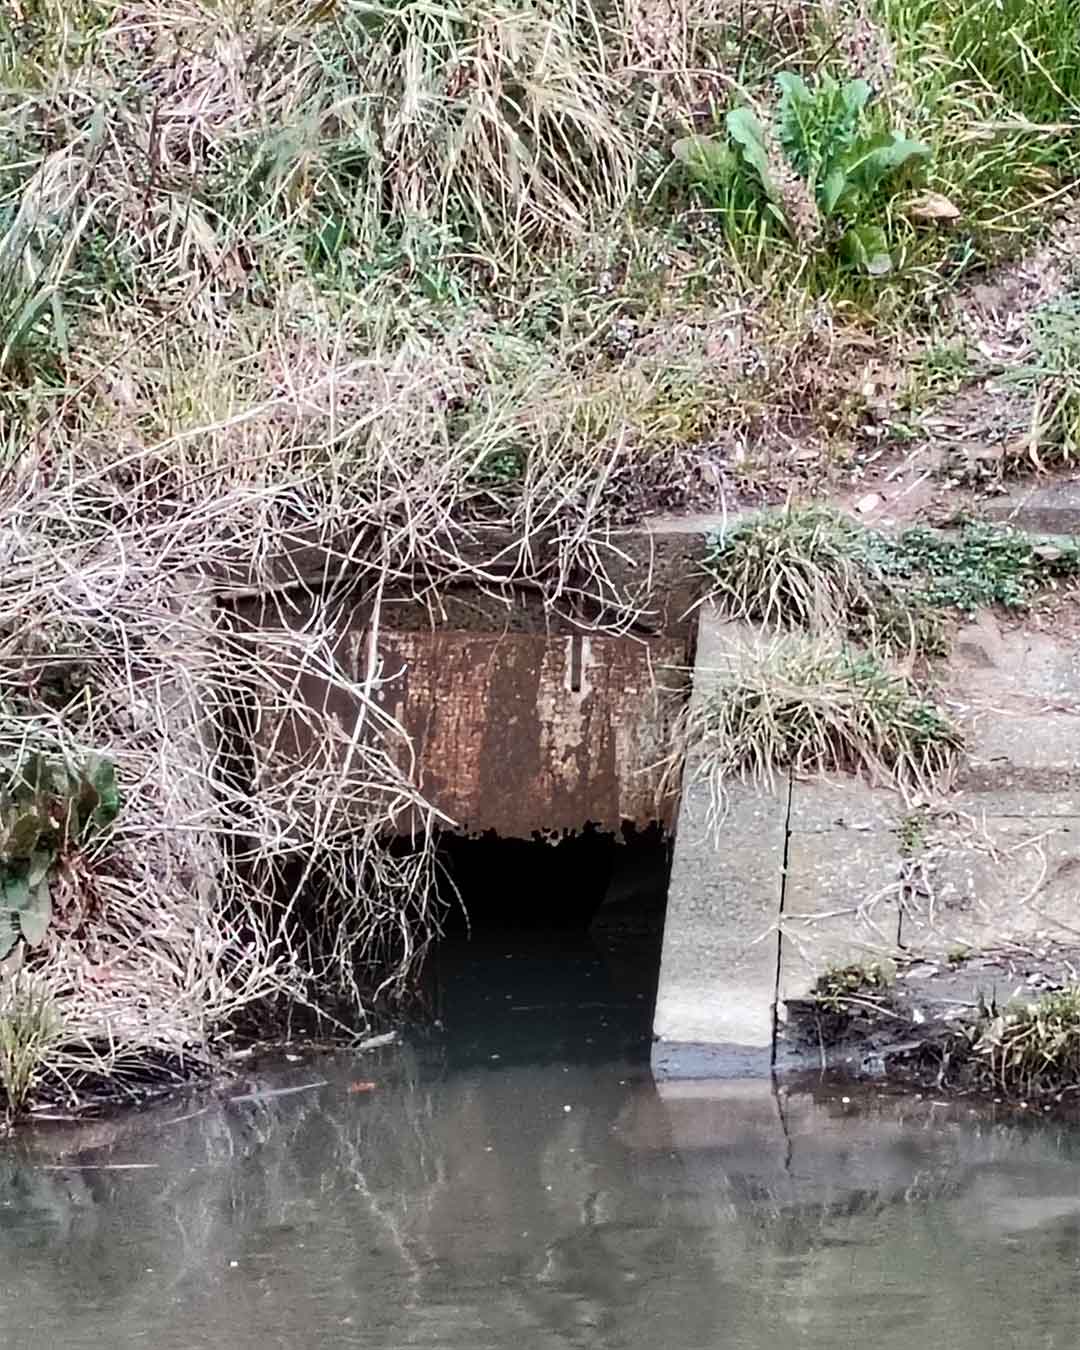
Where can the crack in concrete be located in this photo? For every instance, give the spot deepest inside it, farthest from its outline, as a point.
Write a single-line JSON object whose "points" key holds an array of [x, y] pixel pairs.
{"points": [[780, 919]]}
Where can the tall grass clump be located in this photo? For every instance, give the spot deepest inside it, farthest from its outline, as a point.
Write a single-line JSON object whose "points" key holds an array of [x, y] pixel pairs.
{"points": [[995, 90], [804, 706], [240, 146], [1026, 51], [30, 1029], [803, 566]]}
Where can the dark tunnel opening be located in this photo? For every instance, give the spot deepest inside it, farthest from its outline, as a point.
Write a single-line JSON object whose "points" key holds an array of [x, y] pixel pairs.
{"points": [[551, 948]]}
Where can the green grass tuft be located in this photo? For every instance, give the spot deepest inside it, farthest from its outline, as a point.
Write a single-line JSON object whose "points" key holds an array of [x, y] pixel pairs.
{"points": [[1030, 1049], [994, 87], [808, 707], [1054, 375], [30, 1026], [804, 566]]}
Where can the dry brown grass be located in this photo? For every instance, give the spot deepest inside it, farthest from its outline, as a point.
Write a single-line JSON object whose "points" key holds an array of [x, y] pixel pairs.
{"points": [[178, 480]]}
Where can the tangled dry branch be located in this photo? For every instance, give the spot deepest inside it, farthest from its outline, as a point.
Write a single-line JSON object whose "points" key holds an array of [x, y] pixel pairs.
{"points": [[178, 608]]}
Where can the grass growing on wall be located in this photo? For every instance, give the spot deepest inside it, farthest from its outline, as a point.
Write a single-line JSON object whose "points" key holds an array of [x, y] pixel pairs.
{"points": [[806, 706]]}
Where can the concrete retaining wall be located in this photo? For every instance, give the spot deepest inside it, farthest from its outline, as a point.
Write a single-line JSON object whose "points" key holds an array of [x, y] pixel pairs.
{"points": [[826, 873]]}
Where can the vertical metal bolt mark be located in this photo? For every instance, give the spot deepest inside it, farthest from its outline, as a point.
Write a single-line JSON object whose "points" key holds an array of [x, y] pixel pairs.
{"points": [[576, 663]]}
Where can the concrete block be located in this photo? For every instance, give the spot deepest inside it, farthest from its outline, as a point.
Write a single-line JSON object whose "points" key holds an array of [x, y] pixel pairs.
{"points": [[716, 997], [848, 805], [1017, 694], [841, 904], [1014, 797], [1004, 879], [1045, 508], [1002, 744], [718, 967], [995, 661], [1020, 766], [841, 895], [1000, 861]]}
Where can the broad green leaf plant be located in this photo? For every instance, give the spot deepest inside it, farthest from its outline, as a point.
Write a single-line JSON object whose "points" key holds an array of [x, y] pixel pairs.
{"points": [[47, 809], [824, 135]]}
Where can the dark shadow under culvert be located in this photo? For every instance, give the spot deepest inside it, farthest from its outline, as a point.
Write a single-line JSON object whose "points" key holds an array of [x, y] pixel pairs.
{"points": [[552, 948]]}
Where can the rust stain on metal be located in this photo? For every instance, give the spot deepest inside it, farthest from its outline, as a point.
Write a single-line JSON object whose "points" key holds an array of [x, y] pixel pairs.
{"points": [[514, 732], [519, 733]]}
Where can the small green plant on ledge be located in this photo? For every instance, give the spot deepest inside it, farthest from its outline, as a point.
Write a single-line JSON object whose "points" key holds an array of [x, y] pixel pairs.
{"points": [[825, 175], [1030, 1049], [47, 809], [843, 989], [979, 565], [803, 567], [912, 830]]}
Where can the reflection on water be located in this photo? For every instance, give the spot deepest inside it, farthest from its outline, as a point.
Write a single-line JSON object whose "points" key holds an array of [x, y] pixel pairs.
{"points": [[474, 1201]]}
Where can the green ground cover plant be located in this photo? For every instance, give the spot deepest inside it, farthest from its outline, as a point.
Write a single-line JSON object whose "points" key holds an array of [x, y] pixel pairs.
{"points": [[977, 566]]}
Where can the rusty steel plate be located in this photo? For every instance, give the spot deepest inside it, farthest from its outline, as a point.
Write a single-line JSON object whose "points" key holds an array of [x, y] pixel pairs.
{"points": [[520, 733]]}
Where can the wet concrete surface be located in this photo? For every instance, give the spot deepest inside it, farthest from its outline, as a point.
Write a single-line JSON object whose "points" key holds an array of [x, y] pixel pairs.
{"points": [[515, 1178]]}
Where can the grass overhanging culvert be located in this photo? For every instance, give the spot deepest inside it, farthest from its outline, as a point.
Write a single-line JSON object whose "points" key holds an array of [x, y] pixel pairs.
{"points": [[206, 376], [805, 706], [116, 643], [422, 291]]}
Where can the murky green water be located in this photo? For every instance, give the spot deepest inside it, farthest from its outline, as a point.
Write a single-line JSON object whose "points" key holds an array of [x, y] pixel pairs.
{"points": [[512, 1185]]}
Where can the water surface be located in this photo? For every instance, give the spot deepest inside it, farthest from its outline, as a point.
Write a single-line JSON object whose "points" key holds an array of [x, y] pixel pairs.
{"points": [[518, 1181]]}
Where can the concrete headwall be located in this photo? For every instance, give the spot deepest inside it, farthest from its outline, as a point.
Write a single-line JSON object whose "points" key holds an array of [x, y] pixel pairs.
{"points": [[830, 872]]}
